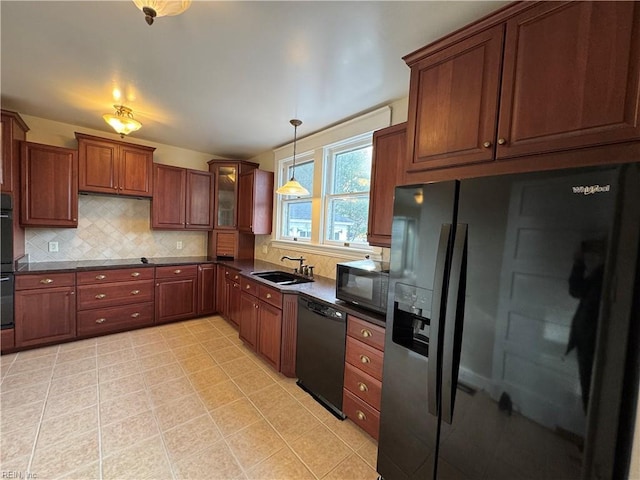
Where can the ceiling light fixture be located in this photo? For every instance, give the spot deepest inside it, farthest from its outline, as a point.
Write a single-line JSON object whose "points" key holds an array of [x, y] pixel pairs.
{"points": [[293, 187], [122, 121], [161, 8]]}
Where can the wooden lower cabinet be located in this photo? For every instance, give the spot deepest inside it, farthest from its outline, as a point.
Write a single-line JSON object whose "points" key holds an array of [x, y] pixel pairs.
{"points": [[230, 308], [114, 300], [45, 309], [176, 293], [206, 289], [261, 320], [7, 340], [363, 374]]}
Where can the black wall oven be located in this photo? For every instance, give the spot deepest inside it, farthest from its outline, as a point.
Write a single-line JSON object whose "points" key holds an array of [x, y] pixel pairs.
{"points": [[7, 264]]}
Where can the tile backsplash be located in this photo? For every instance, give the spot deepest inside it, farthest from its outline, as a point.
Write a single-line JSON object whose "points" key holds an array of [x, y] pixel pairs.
{"points": [[112, 228]]}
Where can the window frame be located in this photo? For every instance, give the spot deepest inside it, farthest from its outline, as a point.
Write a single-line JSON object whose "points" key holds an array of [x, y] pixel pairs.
{"points": [[283, 200]]}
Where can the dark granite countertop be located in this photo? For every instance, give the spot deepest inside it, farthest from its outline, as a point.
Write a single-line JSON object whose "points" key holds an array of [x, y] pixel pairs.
{"points": [[322, 288]]}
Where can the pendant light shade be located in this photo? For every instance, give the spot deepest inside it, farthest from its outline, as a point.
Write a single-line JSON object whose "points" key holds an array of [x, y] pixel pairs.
{"points": [[161, 8], [293, 187], [122, 120]]}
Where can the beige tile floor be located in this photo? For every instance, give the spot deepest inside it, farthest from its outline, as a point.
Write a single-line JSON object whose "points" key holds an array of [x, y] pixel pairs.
{"points": [[179, 401]]}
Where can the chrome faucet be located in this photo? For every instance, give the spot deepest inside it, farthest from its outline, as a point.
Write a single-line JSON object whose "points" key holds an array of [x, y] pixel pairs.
{"points": [[300, 259]]}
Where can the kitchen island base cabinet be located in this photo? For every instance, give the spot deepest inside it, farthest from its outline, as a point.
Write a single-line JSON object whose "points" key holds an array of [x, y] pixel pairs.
{"points": [[45, 309], [176, 293]]}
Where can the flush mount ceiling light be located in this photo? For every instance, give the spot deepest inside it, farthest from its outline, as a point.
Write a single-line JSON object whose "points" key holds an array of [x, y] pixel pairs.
{"points": [[293, 187], [122, 121], [161, 8]]}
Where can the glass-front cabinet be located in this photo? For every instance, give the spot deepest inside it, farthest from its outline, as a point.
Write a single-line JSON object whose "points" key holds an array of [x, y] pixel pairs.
{"points": [[226, 198]]}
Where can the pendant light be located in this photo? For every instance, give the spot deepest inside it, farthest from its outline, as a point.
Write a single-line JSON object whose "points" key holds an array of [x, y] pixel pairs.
{"points": [[293, 187], [122, 120], [161, 8]]}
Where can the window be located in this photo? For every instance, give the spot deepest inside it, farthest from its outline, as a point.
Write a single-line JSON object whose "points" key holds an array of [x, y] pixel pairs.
{"points": [[347, 181], [336, 169], [296, 211]]}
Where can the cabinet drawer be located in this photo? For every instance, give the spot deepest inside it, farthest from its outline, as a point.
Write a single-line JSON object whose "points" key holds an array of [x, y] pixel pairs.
{"points": [[362, 385], [361, 414], [111, 319], [176, 271], [366, 358], [270, 295], [232, 274], [366, 332], [45, 280], [249, 286], [111, 294], [119, 275]]}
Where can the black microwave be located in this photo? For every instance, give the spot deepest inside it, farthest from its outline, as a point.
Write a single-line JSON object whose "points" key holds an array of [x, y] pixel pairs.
{"points": [[364, 283]]}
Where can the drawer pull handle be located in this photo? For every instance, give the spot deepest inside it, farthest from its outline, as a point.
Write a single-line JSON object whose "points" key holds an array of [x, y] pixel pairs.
{"points": [[135, 315], [248, 287], [135, 274], [365, 333], [101, 320], [100, 296], [268, 295], [100, 277], [46, 281], [135, 292], [236, 277], [361, 415], [177, 271], [365, 359], [363, 387]]}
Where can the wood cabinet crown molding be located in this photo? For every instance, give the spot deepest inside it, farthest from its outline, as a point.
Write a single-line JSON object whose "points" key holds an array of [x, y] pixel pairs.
{"points": [[85, 136]]}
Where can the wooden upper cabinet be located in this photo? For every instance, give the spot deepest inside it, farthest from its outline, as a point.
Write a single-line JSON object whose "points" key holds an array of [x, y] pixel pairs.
{"points": [[49, 196], [199, 200], [182, 199], [533, 78], [13, 131], [571, 77], [389, 155], [255, 204], [453, 102], [109, 166]]}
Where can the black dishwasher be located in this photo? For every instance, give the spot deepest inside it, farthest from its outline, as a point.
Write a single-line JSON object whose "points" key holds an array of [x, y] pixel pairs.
{"points": [[320, 351]]}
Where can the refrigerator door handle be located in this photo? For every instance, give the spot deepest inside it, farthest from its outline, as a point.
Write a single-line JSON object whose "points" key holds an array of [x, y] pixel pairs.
{"points": [[435, 343], [454, 321]]}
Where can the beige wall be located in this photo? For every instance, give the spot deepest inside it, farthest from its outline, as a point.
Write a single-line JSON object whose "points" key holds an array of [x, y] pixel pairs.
{"points": [[111, 226]]}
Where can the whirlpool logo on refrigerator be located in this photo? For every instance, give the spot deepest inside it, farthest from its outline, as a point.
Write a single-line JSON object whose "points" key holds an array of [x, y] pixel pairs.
{"points": [[591, 189]]}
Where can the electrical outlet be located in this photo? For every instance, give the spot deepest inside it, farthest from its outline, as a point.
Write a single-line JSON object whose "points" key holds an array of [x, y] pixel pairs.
{"points": [[265, 249], [53, 246], [179, 245]]}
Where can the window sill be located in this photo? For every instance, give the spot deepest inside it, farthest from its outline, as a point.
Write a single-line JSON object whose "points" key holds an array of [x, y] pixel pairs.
{"points": [[345, 253]]}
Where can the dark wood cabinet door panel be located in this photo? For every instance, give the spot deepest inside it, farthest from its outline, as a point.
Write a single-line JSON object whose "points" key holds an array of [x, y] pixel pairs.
{"points": [[199, 200], [176, 299], [571, 77], [168, 205], [13, 131], [206, 289], [44, 316], [453, 103], [270, 333], [135, 171], [249, 320], [98, 166], [49, 186]]}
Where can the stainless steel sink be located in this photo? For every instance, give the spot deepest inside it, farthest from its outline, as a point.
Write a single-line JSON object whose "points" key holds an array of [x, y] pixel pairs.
{"points": [[282, 278]]}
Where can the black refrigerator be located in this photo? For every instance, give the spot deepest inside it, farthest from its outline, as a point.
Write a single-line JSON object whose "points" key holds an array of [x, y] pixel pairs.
{"points": [[511, 347]]}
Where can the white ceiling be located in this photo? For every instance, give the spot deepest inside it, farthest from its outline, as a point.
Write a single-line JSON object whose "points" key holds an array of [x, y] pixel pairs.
{"points": [[223, 78]]}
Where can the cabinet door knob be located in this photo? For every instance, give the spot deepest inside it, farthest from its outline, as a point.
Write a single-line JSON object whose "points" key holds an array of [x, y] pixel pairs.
{"points": [[100, 277], [135, 274], [502, 141], [486, 144], [177, 271], [101, 320], [365, 359], [135, 292], [256, 305], [100, 296], [46, 281], [236, 277], [135, 315], [361, 415], [268, 295], [362, 387], [248, 287], [365, 333]]}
